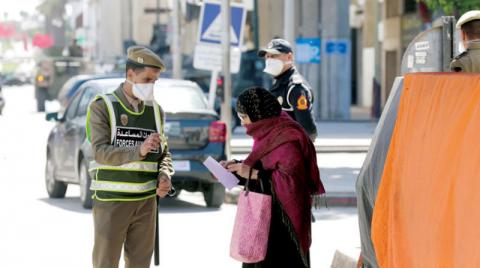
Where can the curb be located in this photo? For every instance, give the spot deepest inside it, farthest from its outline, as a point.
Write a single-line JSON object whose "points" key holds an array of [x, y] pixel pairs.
{"points": [[332, 199], [341, 260], [319, 149]]}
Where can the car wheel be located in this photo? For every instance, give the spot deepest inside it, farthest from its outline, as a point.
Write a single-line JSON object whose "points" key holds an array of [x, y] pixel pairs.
{"points": [[55, 189], [41, 98], [85, 181], [40, 104], [214, 195]]}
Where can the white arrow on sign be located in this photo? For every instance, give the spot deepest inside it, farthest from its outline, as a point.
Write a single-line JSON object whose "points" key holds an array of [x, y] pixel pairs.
{"points": [[214, 31]]}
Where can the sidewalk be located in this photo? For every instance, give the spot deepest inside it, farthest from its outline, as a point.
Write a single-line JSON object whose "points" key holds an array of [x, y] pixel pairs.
{"points": [[332, 137], [341, 146]]}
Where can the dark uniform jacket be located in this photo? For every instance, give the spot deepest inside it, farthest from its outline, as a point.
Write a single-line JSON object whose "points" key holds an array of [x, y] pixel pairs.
{"points": [[468, 61], [296, 98]]}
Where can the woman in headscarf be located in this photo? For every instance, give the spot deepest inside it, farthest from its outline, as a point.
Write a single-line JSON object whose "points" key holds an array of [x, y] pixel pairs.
{"points": [[284, 165]]}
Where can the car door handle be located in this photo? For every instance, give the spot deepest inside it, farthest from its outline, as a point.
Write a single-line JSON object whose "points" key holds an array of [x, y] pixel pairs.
{"points": [[70, 129]]}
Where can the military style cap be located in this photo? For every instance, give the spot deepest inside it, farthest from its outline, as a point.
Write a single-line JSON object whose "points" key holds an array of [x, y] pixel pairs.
{"points": [[276, 46], [468, 17], [144, 56]]}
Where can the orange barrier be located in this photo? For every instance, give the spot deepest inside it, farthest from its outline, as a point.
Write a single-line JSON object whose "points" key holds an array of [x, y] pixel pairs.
{"points": [[427, 211]]}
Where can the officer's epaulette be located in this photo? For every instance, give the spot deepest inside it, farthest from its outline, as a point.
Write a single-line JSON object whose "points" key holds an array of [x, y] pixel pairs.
{"points": [[461, 55], [98, 99], [296, 79]]}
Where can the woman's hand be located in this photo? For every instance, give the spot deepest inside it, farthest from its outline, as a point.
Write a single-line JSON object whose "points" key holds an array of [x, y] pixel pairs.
{"points": [[226, 164], [243, 170]]}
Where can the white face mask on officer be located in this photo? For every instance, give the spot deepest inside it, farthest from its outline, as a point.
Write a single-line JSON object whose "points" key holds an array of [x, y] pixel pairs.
{"points": [[274, 66], [143, 92]]}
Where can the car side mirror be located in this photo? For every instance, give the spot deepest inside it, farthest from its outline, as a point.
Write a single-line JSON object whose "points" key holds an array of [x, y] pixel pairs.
{"points": [[52, 117]]}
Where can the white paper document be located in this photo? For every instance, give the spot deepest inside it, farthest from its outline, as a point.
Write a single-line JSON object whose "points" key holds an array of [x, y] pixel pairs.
{"points": [[224, 176]]}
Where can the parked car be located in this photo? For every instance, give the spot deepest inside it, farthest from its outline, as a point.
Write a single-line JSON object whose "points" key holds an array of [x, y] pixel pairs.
{"points": [[193, 132], [14, 79], [2, 100], [70, 87], [52, 73]]}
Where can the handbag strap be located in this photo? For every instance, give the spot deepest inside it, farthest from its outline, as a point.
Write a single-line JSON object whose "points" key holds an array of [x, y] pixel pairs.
{"points": [[247, 190]]}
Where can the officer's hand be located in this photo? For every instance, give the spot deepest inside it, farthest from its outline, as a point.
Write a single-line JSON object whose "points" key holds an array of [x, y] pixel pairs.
{"points": [[150, 144], [164, 186]]}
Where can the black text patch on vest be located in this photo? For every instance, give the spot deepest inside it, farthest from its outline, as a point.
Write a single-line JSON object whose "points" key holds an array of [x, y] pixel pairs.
{"points": [[131, 137]]}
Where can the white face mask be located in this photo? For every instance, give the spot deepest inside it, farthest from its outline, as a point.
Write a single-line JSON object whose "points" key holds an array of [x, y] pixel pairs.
{"points": [[143, 92], [274, 66]]}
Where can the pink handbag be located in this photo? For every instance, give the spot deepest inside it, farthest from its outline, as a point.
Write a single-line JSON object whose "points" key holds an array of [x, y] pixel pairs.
{"points": [[252, 226]]}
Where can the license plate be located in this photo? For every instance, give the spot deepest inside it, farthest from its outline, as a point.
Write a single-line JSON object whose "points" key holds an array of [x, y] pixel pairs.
{"points": [[172, 128], [181, 165]]}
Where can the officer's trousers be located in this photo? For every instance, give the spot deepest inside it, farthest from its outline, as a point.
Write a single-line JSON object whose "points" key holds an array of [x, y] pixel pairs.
{"points": [[127, 224]]}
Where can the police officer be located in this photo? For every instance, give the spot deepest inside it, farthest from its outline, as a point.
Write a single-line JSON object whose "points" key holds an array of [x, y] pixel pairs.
{"points": [[290, 88], [132, 164], [469, 60]]}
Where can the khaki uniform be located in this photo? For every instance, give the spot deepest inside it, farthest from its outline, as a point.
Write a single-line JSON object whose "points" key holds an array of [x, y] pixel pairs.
{"points": [[129, 224], [468, 61]]}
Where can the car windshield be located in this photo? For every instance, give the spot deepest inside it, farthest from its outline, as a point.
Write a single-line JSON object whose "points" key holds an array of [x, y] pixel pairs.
{"points": [[177, 98], [64, 91], [174, 98]]}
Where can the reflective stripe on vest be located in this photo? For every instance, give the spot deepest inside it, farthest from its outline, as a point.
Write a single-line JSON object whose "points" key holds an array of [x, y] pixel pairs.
{"points": [[123, 187], [111, 113], [133, 166]]}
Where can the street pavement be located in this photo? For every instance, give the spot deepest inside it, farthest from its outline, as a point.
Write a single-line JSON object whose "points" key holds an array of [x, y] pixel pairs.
{"points": [[40, 232]]}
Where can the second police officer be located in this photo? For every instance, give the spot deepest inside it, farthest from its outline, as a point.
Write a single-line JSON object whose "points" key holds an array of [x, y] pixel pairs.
{"points": [[290, 88]]}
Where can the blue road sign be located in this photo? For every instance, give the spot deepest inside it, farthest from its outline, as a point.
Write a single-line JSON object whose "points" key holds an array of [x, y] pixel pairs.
{"points": [[308, 50], [211, 24], [337, 47]]}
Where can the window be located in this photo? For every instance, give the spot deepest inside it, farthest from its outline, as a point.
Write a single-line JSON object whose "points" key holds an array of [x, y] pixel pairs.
{"points": [[410, 6], [72, 108], [176, 98], [87, 97]]}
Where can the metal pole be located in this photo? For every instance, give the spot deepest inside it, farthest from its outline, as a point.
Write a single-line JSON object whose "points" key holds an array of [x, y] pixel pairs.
{"points": [[130, 20], [176, 46], [212, 90], [377, 81], [157, 236], [255, 24], [226, 109], [158, 12], [289, 20]]}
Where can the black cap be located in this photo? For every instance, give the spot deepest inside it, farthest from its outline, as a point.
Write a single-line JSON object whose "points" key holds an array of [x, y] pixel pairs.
{"points": [[276, 46]]}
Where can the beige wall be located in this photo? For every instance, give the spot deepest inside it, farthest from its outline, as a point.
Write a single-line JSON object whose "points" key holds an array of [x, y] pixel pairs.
{"points": [[143, 22], [109, 16], [369, 24], [109, 25], [392, 44], [270, 20], [112, 22], [390, 37], [369, 37]]}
